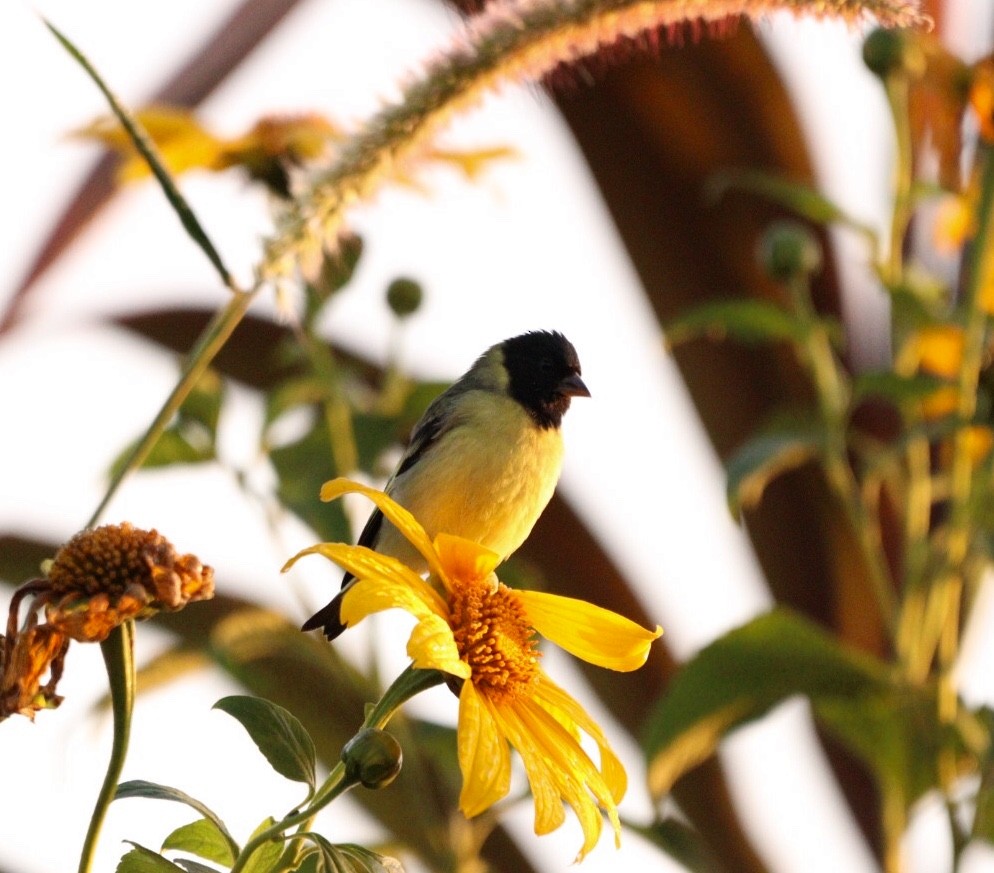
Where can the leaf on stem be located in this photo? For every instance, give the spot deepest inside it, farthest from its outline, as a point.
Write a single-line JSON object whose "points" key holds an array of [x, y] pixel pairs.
{"points": [[279, 735], [202, 838], [192, 437], [142, 860], [682, 843], [740, 677], [350, 858], [146, 148], [783, 445], [750, 321], [141, 788], [265, 859], [799, 198]]}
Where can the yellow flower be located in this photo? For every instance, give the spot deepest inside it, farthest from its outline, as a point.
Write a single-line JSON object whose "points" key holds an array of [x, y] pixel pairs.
{"points": [[265, 151], [475, 628], [938, 351]]}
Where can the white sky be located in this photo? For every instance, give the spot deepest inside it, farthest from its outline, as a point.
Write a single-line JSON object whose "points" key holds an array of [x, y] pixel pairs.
{"points": [[74, 393]]}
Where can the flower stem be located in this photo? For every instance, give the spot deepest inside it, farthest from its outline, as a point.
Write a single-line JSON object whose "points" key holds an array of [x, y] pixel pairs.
{"points": [[408, 684], [118, 651], [215, 335], [833, 399]]}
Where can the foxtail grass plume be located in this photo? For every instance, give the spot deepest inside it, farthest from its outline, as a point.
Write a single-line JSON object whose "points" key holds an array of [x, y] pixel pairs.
{"points": [[483, 635], [508, 41]]}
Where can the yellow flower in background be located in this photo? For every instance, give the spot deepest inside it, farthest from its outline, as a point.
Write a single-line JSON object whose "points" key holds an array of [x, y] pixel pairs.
{"points": [[938, 351], [266, 151], [475, 628]]}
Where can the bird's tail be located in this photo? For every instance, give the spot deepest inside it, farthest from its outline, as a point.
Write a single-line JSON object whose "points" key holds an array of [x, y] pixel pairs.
{"points": [[328, 618]]}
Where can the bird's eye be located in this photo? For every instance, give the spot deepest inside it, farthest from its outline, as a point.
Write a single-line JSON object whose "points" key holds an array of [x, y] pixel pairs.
{"points": [[545, 365]]}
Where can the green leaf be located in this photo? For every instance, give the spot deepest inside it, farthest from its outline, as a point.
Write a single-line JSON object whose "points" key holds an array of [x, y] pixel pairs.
{"points": [[203, 404], [279, 735], [896, 388], [203, 839], [782, 445], [311, 863], [302, 467], [147, 149], [740, 677], [142, 860], [266, 858], [350, 858], [291, 394], [141, 788], [800, 199], [751, 321], [172, 447], [682, 843], [194, 866]]}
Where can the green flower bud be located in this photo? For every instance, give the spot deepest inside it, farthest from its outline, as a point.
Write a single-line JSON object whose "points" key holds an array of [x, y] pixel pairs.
{"points": [[404, 297], [372, 758], [887, 52], [787, 250]]}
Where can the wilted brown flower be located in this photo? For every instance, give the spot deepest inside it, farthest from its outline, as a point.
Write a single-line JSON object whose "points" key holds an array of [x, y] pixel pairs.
{"points": [[25, 657], [97, 581], [113, 573]]}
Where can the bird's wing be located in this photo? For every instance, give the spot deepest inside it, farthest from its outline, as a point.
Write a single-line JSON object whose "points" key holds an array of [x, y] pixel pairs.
{"points": [[430, 427]]}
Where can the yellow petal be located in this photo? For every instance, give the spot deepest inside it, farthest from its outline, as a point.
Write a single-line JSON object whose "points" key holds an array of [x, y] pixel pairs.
{"points": [[590, 632], [558, 767], [579, 778], [399, 517], [366, 596], [364, 563], [542, 779], [463, 559], [568, 711], [484, 758], [432, 646]]}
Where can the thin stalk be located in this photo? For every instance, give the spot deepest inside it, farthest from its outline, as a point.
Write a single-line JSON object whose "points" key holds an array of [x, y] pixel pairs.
{"points": [[894, 822], [211, 341], [146, 148], [833, 398], [411, 682], [119, 658], [918, 491], [337, 413]]}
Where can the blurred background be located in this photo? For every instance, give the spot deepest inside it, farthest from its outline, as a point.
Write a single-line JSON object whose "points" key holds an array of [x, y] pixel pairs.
{"points": [[597, 226]]}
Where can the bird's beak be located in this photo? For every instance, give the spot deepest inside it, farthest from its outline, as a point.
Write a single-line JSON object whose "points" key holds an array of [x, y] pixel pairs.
{"points": [[572, 386]]}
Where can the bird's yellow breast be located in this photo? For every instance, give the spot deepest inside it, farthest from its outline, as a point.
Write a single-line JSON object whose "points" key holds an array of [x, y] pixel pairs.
{"points": [[488, 478]]}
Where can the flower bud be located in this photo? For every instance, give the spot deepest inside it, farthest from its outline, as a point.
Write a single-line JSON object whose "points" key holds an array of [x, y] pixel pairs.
{"points": [[788, 250], [404, 297], [372, 758], [887, 52]]}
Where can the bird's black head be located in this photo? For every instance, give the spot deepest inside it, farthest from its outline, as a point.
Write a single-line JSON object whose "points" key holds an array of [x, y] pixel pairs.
{"points": [[544, 374]]}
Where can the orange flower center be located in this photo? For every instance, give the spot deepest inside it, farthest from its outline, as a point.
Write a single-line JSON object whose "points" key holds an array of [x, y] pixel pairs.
{"points": [[494, 638]]}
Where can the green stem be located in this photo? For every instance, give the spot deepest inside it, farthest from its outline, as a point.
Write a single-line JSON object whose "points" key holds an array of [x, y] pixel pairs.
{"points": [[409, 683], [833, 399], [897, 88], [337, 412], [118, 651], [894, 822], [211, 341], [146, 148]]}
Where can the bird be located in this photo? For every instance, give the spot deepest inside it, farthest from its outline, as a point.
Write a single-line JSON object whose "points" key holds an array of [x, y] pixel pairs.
{"points": [[483, 461]]}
